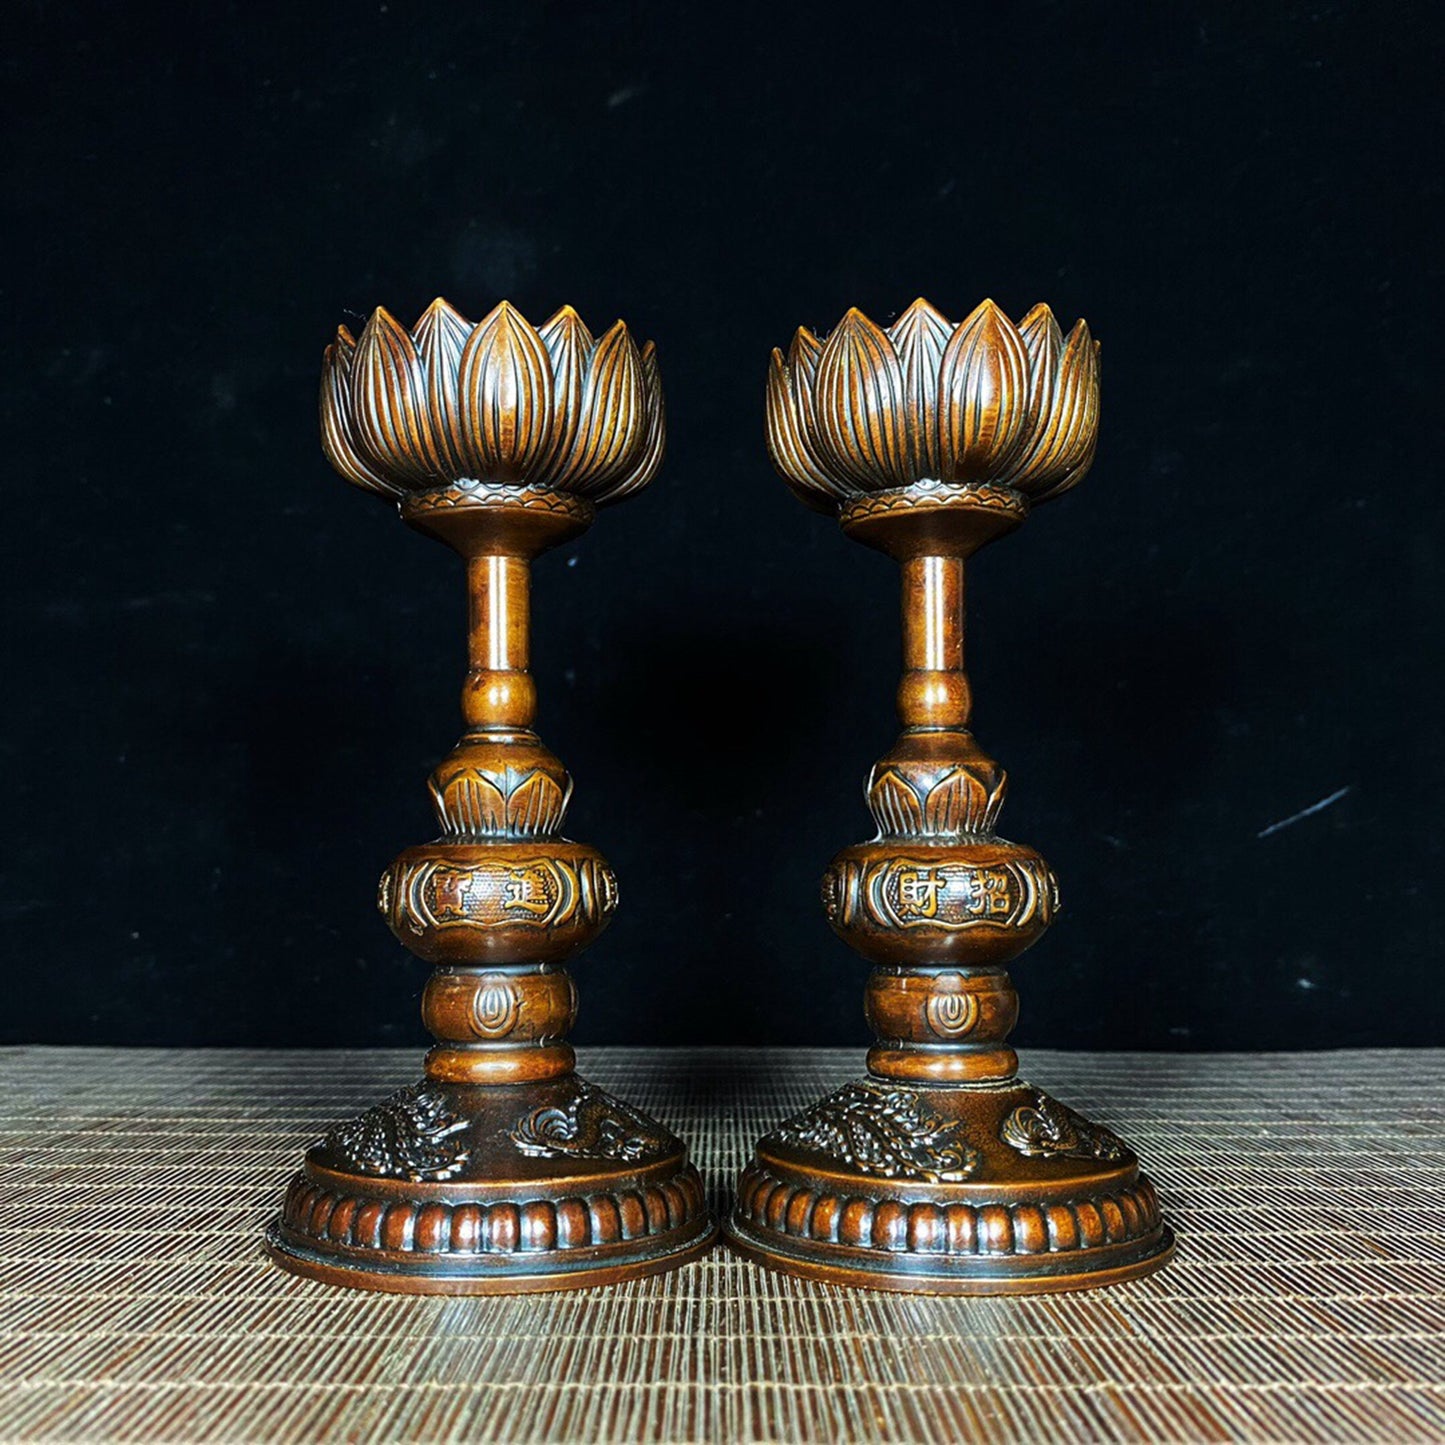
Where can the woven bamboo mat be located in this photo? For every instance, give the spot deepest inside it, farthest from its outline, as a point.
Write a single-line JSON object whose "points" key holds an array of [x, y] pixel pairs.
{"points": [[1307, 1301]]}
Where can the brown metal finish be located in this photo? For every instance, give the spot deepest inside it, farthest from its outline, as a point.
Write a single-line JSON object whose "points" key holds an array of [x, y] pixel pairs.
{"points": [[502, 1171], [942, 1172]]}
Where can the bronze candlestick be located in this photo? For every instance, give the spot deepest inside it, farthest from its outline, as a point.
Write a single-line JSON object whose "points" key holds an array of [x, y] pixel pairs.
{"points": [[943, 1172], [502, 1170]]}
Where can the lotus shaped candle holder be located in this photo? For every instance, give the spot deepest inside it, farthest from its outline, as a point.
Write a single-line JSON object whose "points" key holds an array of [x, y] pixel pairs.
{"points": [[942, 1171], [502, 1170]]}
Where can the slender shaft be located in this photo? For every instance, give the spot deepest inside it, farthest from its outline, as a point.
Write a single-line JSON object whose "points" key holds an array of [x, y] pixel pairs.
{"points": [[499, 691], [934, 690]]}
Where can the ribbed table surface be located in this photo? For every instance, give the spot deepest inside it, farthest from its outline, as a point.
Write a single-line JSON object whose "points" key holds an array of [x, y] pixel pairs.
{"points": [[1307, 1301]]}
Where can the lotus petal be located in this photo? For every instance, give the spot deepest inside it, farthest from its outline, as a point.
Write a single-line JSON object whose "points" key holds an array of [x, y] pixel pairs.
{"points": [[894, 805], [389, 404], [920, 337], [441, 337], [995, 803], [611, 422], [468, 803], [649, 458], [1044, 344], [569, 344], [858, 393], [957, 803], [506, 396], [982, 396], [789, 445], [536, 805], [1073, 424], [803, 357], [337, 429]]}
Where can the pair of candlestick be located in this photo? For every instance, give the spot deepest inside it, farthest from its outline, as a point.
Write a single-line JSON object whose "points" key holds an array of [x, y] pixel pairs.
{"points": [[941, 1171]]}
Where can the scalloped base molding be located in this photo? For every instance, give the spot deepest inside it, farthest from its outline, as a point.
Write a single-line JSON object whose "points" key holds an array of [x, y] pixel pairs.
{"points": [[957, 1190], [454, 1190]]}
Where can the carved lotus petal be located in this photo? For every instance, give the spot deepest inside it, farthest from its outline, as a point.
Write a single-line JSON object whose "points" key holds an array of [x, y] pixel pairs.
{"points": [[337, 424], [789, 443], [1057, 445], [441, 338], [803, 357], [569, 344], [1075, 415], [861, 417], [610, 422], [982, 396], [982, 402], [505, 388], [500, 402], [535, 806], [473, 802], [895, 806], [388, 403], [1044, 346], [995, 804], [957, 803], [908, 802], [920, 337], [469, 803], [642, 470]]}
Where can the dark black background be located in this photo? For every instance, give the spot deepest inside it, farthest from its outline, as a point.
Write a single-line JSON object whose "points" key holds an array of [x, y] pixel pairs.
{"points": [[228, 673]]}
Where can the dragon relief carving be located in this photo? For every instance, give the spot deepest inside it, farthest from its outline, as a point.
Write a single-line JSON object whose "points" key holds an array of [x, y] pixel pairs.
{"points": [[412, 1135], [593, 1126], [1046, 1129], [887, 1132]]}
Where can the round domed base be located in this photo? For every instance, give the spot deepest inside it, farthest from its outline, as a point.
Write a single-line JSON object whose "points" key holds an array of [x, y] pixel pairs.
{"points": [[497, 1189], [956, 1190]]}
